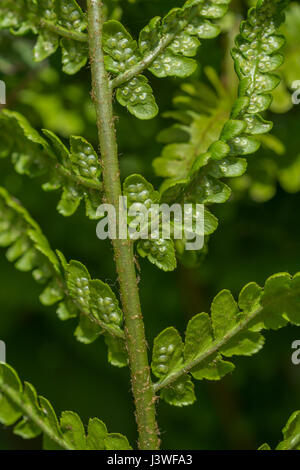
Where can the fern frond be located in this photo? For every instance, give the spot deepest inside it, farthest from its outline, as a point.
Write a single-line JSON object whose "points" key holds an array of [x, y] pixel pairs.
{"points": [[256, 57], [165, 47], [56, 22], [76, 171], [159, 251], [70, 285], [232, 329], [33, 415]]}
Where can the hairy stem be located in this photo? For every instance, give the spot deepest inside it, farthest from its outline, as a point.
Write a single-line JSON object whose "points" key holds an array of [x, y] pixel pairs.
{"points": [[134, 327], [215, 347]]}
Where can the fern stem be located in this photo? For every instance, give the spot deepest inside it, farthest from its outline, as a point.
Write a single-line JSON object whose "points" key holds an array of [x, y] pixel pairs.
{"points": [[66, 33], [34, 417], [134, 327], [216, 346]]}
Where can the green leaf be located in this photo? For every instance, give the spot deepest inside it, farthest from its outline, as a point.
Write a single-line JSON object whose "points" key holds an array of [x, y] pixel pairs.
{"points": [[199, 337], [9, 411], [185, 44], [70, 200], [74, 55], [73, 430], [180, 393], [137, 96], [168, 64], [214, 369], [97, 433], [29, 249], [49, 417], [47, 43], [225, 317], [84, 158], [122, 52], [264, 447], [244, 344], [104, 304], [281, 300], [159, 252], [78, 284], [52, 294], [250, 297], [99, 309], [138, 189], [12, 14], [206, 121], [117, 354], [224, 311], [115, 441], [118, 44], [165, 47], [26, 428], [87, 330]]}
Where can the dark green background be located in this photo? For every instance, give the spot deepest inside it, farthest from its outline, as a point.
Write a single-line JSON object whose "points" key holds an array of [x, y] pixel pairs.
{"points": [[252, 242]]}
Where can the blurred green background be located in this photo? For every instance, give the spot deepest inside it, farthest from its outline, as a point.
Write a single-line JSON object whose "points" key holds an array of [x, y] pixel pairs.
{"points": [[259, 234]]}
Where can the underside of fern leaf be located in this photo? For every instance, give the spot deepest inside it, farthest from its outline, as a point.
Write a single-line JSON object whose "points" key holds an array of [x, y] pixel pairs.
{"points": [[165, 47], [256, 57], [210, 143], [75, 171]]}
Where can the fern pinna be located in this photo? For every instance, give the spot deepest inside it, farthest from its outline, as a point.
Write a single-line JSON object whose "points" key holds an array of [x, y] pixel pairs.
{"points": [[211, 142]]}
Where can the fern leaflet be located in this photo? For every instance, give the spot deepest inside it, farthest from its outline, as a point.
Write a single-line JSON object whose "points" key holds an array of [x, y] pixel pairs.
{"points": [[234, 328]]}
